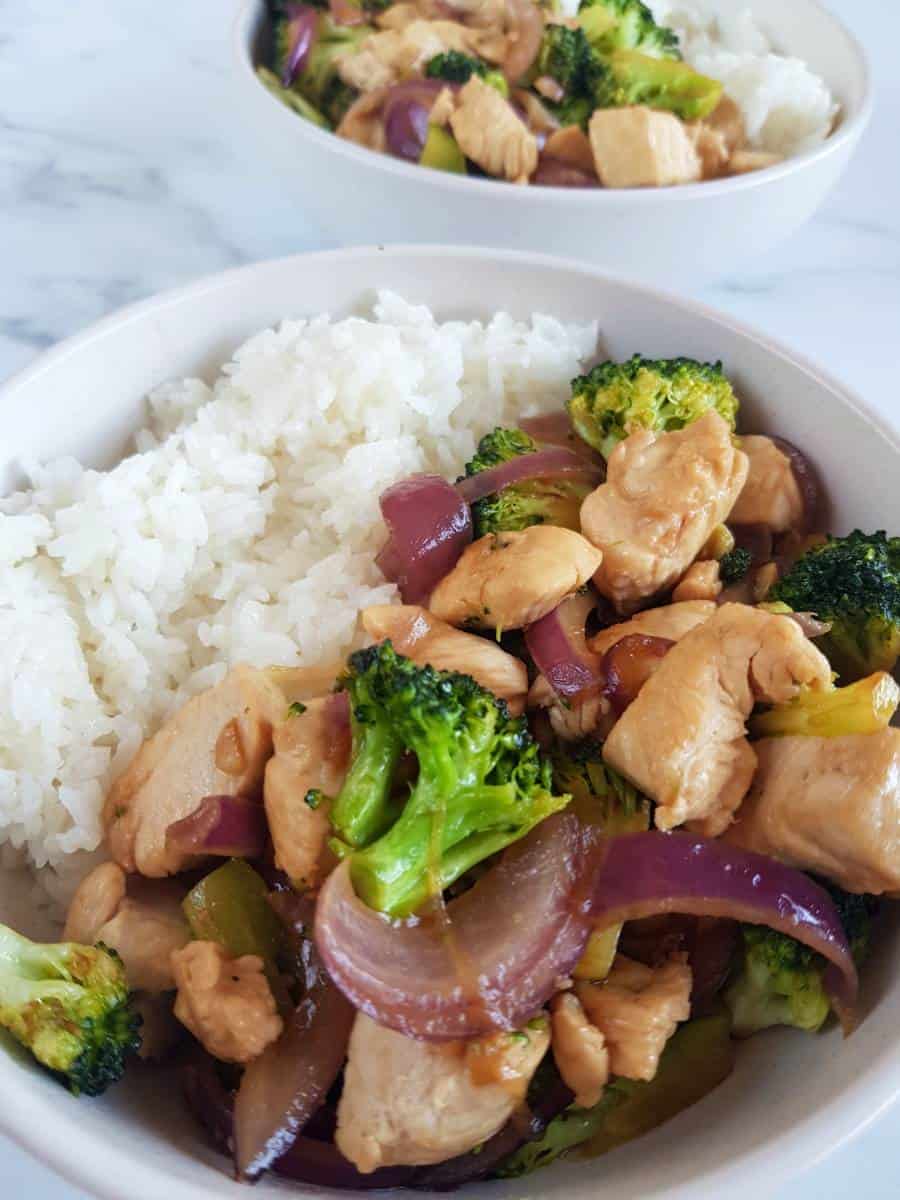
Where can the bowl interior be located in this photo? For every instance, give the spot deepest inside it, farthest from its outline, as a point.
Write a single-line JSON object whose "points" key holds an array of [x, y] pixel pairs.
{"points": [[792, 1097]]}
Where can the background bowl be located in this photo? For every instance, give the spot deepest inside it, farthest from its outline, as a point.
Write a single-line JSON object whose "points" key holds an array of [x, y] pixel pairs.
{"points": [[685, 235], [792, 1098]]}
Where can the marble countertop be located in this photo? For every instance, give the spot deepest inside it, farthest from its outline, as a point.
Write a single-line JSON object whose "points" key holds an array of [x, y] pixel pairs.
{"points": [[124, 170]]}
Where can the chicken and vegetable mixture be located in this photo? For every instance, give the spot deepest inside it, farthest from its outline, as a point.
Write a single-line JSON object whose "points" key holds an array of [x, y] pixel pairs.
{"points": [[514, 90], [613, 787]]}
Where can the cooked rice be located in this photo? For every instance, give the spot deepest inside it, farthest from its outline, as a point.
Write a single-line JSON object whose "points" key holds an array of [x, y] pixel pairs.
{"points": [[243, 529]]}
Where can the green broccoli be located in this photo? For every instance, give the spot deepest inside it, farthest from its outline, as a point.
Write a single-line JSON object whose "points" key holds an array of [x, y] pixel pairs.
{"points": [[626, 25], [632, 78], [531, 502], [319, 82], [482, 782], [600, 795], [68, 1005], [455, 67], [290, 98], [567, 56], [734, 565], [866, 706], [853, 582], [780, 981], [615, 399]]}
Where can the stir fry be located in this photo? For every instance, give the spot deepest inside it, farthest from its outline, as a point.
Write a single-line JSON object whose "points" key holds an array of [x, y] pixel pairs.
{"points": [[514, 90], [611, 789]]}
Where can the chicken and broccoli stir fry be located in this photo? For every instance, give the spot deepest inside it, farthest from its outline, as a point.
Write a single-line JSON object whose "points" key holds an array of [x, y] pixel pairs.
{"points": [[613, 787], [514, 90]]}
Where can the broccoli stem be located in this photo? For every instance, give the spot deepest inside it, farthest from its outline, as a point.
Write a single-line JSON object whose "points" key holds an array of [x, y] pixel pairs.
{"points": [[363, 809]]}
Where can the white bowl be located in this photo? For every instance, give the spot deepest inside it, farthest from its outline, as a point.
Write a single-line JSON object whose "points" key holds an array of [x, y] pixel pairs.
{"points": [[792, 1098], [683, 235]]}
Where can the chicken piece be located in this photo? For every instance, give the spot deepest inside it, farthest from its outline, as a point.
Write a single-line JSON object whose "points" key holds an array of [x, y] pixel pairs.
{"points": [[728, 120], [507, 580], [386, 57], [637, 1009], [771, 496], [160, 1031], [443, 108], [419, 635], [407, 1102], [580, 1050], [671, 621], [96, 901], [663, 496], [682, 741], [712, 148], [640, 147], [742, 162], [570, 145], [311, 755], [571, 721], [700, 582], [538, 117], [830, 806], [216, 745], [490, 133], [299, 685], [362, 122], [226, 1003], [143, 929]]}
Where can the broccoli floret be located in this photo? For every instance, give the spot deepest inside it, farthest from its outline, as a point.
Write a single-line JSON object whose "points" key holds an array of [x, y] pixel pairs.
{"points": [[567, 56], [853, 582], [780, 983], [482, 782], [455, 67], [600, 795], [857, 912], [615, 399], [866, 706], [292, 99], [734, 565], [68, 1005], [319, 81], [633, 78], [626, 25], [532, 502]]}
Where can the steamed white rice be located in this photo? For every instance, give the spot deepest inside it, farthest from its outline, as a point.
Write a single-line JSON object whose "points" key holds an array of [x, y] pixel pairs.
{"points": [[243, 529], [787, 108]]}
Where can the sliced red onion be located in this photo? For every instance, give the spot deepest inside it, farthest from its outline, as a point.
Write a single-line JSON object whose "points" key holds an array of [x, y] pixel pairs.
{"points": [[644, 874], [810, 624], [553, 429], [322, 1164], [430, 525], [301, 23], [552, 172], [807, 481], [553, 463], [628, 664], [280, 1090], [512, 936], [558, 645], [406, 110], [223, 826]]}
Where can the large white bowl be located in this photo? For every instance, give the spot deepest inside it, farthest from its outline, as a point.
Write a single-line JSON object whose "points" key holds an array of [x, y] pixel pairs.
{"points": [[683, 235], [793, 1098]]}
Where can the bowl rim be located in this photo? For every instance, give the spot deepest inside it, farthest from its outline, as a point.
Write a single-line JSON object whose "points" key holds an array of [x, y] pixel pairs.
{"points": [[52, 1132], [846, 134]]}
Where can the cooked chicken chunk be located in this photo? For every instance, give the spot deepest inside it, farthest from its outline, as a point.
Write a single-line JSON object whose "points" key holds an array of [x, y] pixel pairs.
{"points": [[700, 582], [311, 755], [143, 930], [580, 1050], [571, 721], [507, 580], [663, 496], [771, 496], [491, 134], [672, 621], [571, 146], [226, 1003], [683, 740], [711, 146], [362, 122], [637, 1009], [216, 745], [393, 54], [428, 641], [828, 805], [407, 1102], [640, 147], [742, 162], [728, 120]]}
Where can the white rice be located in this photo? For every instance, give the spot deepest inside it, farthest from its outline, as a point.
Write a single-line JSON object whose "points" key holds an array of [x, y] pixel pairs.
{"points": [[787, 108], [243, 529]]}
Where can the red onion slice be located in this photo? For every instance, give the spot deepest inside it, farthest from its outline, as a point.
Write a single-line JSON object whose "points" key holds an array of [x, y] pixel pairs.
{"points": [[807, 482], [552, 172], [280, 1090], [223, 826], [555, 429], [810, 624], [407, 107], [644, 874], [430, 525], [558, 645], [553, 463], [628, 664], [301, 21], [510, 939]]}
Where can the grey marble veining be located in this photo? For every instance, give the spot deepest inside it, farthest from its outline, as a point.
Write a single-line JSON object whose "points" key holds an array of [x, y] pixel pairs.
{"points": [[125, 169]]}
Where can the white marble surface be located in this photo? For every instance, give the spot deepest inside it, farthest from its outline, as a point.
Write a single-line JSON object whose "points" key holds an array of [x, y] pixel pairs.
{"points": [[124, 169]]}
